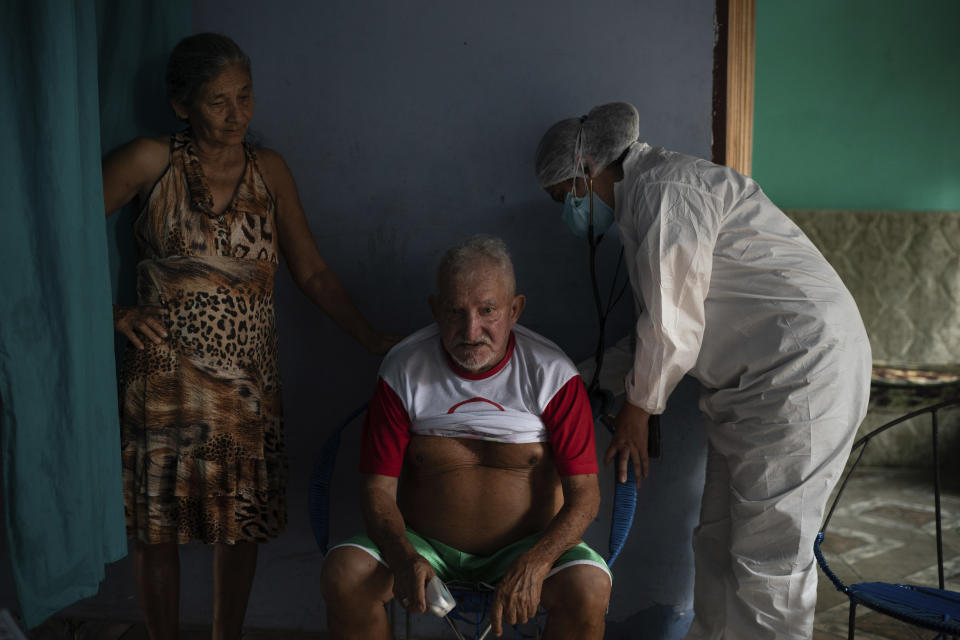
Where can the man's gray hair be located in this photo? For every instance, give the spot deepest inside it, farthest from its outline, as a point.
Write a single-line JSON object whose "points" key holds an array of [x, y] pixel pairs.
{"points": [[464, 256]]}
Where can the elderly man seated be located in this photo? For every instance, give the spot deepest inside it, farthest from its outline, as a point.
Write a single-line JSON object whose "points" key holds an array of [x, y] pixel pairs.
{"points": [[479, 462]]}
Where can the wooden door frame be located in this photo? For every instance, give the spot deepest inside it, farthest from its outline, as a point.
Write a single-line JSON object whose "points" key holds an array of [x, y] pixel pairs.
{"points": [[733, 84]]}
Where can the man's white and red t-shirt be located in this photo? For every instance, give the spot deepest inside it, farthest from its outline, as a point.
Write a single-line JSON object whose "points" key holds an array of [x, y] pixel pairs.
{"points": [[534, 394]]}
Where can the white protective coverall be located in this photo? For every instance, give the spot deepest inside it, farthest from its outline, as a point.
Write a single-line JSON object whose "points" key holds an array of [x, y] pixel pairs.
{"points": [[734, 294]]}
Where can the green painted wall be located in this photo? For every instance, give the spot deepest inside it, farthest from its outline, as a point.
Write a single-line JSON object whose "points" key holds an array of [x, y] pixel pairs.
{"points": [[858, 103]]}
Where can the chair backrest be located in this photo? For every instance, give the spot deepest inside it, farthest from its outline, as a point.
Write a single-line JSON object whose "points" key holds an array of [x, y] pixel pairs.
{"points": [[858, 449], [321, 480], [900, 267]]}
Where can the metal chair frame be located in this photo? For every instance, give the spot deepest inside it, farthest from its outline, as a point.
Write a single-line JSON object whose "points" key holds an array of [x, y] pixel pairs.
{"points": [[912, 604], [471, 602]]}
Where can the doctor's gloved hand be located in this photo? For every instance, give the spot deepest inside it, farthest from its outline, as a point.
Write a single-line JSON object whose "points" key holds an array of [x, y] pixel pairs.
{"points": [[629, 442]]}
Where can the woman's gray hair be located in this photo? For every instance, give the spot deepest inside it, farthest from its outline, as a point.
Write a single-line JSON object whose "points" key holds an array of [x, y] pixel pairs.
{"points": [[598, 139], [198, 59], [464, 257]]}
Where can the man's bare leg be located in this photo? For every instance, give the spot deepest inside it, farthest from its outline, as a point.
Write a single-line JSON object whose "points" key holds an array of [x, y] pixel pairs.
{"points": [[233, 569], [156, 573], [355, 587], [576, 601]]}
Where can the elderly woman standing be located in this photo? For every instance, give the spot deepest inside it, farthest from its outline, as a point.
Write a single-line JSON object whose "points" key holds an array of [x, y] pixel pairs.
{"points": [[734, 294], [202, 436]]}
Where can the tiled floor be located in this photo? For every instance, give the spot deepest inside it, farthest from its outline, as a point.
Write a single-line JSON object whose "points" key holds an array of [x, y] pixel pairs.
{"points": [[883, 531]]}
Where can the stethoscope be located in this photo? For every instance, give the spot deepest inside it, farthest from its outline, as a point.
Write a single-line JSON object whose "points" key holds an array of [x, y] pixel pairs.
{"points": [[601, 399]]}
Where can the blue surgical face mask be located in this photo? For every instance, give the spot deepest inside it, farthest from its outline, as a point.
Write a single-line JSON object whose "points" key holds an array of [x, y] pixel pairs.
{"points": [[576, 215]]}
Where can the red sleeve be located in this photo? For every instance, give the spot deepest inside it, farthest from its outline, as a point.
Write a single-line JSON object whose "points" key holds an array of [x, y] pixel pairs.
{"points": [[386, 432], [569, 423]]}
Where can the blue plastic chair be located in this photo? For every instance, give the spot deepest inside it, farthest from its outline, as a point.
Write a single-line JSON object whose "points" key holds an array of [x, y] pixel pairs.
{"points": [[921, 606], [473, 601]]}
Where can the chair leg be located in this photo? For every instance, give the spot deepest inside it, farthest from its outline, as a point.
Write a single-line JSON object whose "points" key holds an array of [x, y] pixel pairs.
{"points": [[852, 624], [406, 631]]}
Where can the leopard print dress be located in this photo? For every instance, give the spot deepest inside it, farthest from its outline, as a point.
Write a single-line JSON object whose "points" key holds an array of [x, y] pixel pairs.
{"points": [[201, 420]]}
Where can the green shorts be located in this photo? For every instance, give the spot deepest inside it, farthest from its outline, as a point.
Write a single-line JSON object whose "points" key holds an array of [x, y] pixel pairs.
{"points": [[459, 567]]}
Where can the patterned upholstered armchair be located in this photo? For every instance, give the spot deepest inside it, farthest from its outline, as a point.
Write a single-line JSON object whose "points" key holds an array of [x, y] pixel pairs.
{"points": [[903, 269]]}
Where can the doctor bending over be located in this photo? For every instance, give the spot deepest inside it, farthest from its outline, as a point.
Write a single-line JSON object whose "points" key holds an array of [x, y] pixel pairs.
{"points": [[728, 290], [480, 467]]}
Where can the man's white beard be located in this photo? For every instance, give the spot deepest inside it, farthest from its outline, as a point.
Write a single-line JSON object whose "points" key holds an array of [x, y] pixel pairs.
{"points": [[476, 363]]}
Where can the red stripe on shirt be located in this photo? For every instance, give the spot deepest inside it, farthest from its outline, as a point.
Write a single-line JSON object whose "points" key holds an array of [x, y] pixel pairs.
{"points": [[569, 423], [567, 418], [386, 433]]}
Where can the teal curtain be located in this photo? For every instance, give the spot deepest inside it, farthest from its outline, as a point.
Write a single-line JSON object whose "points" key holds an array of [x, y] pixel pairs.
{"points": [[61, 463], [63, 504], [135, 40]]}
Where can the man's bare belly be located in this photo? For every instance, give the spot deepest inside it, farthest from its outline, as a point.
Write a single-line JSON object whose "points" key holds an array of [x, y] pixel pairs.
{"points": [[478, 496]]}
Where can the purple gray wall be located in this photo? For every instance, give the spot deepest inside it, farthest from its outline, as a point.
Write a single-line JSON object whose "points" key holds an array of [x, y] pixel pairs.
{"points": [[410, 125]]}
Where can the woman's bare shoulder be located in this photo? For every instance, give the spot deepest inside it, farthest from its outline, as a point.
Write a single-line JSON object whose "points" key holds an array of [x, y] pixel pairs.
{"points": [[146, 156], [144, 145], [270, 160], [133, 168], [275, 171]]}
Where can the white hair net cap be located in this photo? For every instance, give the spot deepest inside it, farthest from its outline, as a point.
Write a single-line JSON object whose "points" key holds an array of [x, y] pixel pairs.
{"points": [[596, 139]]}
